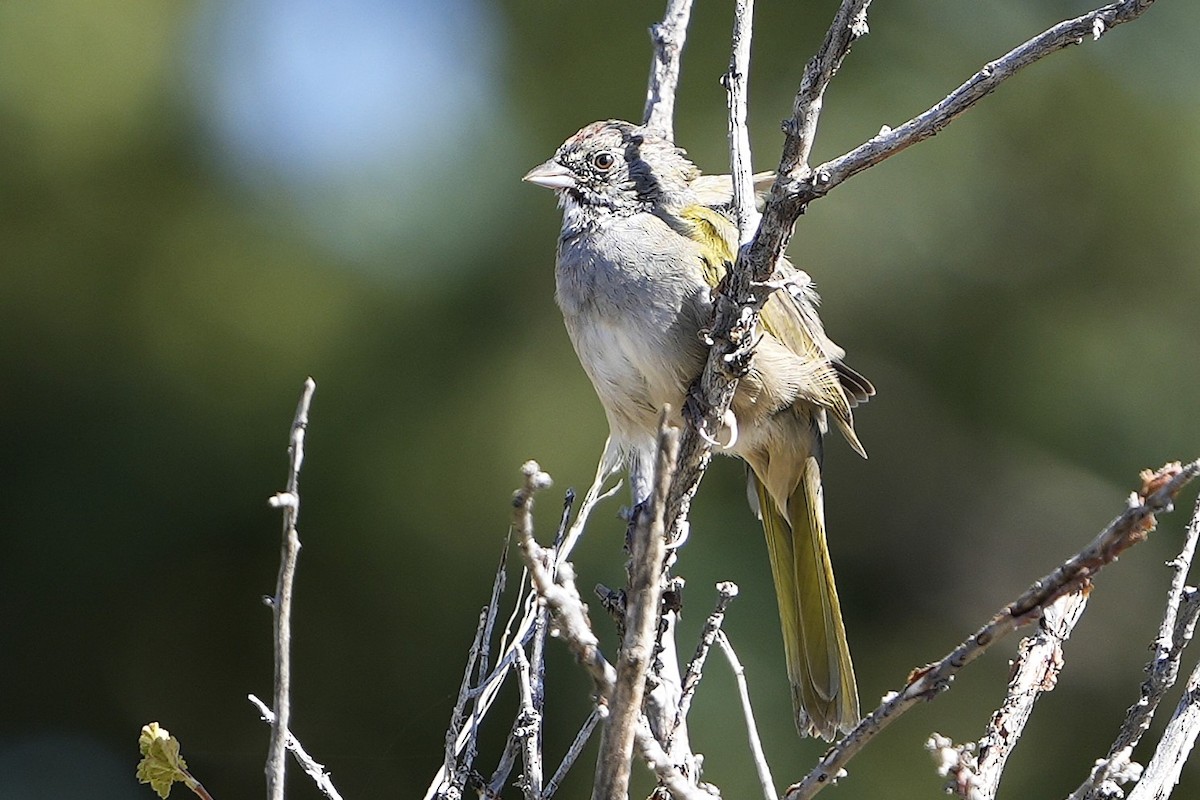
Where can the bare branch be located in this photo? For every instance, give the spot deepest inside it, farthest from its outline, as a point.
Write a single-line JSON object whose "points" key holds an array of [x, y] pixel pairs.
{"points": [[451, 776], [1178, 625], [281, 603], [664, 684], [760, 759], [454, 729], [493, 608], [508, 759], [642, 609], [1162, 773], [581, 740], [537, 693], [670, 777], [668, 37], [569, 616], [726, 592], [459, 740], [849, 24], [1157, 495], [804, 188], [740, 162], [307, 763], [738, 303], [558, 590], [1039, 661], [529, 725]]}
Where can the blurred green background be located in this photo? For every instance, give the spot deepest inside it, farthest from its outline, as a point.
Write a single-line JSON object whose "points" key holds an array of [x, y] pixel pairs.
{"points": [[203, 203]]}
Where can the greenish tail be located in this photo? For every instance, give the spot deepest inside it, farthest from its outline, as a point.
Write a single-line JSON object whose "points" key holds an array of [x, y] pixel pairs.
{"points": [[824, 693]]}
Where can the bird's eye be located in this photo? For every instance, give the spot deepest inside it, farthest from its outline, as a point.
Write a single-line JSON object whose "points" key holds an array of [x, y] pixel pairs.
{"points": [[603, 161]]}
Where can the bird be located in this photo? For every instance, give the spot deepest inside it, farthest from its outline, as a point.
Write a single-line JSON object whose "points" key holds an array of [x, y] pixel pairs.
{"points": [[645, 239]]}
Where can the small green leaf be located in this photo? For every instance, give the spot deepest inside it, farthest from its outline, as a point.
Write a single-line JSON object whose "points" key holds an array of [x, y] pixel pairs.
{"points": [[161, 764]]}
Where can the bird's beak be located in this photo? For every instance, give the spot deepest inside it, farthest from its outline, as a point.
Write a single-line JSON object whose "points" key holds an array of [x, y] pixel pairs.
{"points": [[551, 175]]}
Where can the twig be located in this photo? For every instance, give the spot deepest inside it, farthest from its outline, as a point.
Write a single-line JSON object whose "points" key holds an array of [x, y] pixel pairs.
{"points": [[526, 601], [758, 261], [1162, 773], [604, 470], [480, 649], [307, 763], [557, 589], [849, 24], [537, 688], [668, 775], [537, 661], [1036, 671], [642, 611], [581, 740], [1157, 495], [508, 759], [281, 603], [493, 607], [726, 592], [449, 777], [664, 684], [1175, 631], [667, 37], [564, 521], [740, 162], [529, 724], [454, 729], [760, 759], [803, 187], [569, 618]]}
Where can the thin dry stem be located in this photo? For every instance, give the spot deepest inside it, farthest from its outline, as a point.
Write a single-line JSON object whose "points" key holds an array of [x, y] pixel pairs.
{"points": [[569, 617], [281, 603], [726, 592], [581, 740], [1162, 773], [315, 770], [761, 768]]}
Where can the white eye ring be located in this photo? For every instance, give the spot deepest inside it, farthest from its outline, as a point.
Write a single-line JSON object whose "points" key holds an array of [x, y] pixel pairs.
{"points": [[604, 161]]}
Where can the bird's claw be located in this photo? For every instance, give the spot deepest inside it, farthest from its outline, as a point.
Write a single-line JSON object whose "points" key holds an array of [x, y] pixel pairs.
{"points": [[679, 535]]}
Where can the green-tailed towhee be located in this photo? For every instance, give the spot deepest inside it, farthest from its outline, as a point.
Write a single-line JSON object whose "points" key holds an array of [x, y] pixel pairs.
{"points": [[644, 240]]}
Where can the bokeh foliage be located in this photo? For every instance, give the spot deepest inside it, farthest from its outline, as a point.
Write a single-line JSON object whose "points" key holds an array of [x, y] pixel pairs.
{"points": [[1022, 289]]}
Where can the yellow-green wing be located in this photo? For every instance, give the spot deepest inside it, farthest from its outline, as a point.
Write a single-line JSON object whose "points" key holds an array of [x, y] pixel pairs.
{"points": [[790, 315]]}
